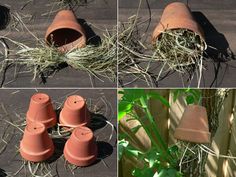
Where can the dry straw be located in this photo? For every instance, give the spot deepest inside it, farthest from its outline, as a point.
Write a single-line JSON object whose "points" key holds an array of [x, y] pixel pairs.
{"points": [[179, 50], [100, 60]]}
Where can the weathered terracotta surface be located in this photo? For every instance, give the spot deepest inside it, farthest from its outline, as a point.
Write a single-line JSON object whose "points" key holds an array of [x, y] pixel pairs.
{"points": [[81, 149], [175, 16], [193, 126], [36, 145], [41, 110], [75, 112], [65, 32]]}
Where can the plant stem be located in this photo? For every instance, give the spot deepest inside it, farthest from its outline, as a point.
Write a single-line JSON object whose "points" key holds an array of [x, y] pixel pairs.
{"points": [[155, 128], [148, 131]]}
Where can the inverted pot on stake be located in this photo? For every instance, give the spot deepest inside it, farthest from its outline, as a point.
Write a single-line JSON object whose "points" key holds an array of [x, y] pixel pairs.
{"points": [[65, 32], [74, 112], [81, 148], [193, 126], [36, 145], [178, 37], [41, 110]]}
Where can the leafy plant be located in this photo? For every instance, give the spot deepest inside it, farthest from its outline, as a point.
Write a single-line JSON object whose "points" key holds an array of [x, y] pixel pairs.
{"points": [[160, 160], [192, 96]]}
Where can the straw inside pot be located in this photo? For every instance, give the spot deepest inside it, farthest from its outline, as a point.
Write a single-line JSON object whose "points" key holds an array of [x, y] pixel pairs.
{"points": [[179, 48]]}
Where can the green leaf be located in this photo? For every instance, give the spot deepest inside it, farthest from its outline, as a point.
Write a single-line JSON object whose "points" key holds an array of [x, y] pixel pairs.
{"points": [[133, 152], [157, 96], [124, 108], [173, 149], [121, 92], [145, 172], [190, 99], [135, 129], [132, 95], [176, 94], [122, 145], [153, 157], [197, 94], [125, 148], [170, 172], [130, 119], [155, 175]]}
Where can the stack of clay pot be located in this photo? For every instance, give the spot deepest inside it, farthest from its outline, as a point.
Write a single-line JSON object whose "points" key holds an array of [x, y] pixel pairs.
{"points": [[80, 149], [177, 15], [193, 126], [36, 145], [65, 33]]}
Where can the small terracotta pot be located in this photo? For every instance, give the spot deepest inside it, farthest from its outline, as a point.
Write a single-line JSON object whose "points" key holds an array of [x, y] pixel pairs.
{"points": [[41, 110], [193, 126], [75, 112], [36, 145], [177, 15], [65, 32], [81, 149]]}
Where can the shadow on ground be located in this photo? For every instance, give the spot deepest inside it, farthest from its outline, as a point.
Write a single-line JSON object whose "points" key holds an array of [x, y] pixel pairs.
{"points": [[219, 49], [5, 17], [2, 173]]}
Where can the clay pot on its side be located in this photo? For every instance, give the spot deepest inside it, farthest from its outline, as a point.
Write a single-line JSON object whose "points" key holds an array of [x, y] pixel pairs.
{"points": [[193, 126], [177, 15], [65, 32], [81, 149], [36, 145], [41, 110], [75, 112]]}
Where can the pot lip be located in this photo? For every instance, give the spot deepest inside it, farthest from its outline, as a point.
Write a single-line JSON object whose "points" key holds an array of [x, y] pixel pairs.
{"points": [[79, 43], [63, 121], [93, 155], [156, 34], [203, 138], [80, 161], [36, 156], [24, 150], [68, 25], [193, 131], [195, 105], [49, 122]]}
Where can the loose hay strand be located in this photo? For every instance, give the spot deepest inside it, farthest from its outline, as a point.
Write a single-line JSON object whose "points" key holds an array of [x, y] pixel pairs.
{"points": [[43, 60]]}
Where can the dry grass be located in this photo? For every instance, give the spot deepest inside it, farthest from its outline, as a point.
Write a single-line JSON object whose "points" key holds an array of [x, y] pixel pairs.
{"points": [[179, 48], [43, 60], [176, 50]]}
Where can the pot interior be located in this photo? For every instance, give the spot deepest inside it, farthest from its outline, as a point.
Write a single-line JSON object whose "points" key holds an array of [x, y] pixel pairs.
{"points": [[63, 36]]}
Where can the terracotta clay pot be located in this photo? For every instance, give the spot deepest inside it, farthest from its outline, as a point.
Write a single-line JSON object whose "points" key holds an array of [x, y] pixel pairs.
{"points": [[193, 126], [177, 15], [36, 145], [65, 32], [81, 149], [75, 112], [41, 110]]}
